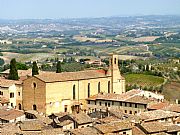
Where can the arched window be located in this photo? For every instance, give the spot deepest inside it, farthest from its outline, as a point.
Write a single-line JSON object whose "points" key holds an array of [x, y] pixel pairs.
{"points": [[74, 92], [99, 87], [89, 90], [19, 106], [115, 61], [109, 86], [34, 107]]}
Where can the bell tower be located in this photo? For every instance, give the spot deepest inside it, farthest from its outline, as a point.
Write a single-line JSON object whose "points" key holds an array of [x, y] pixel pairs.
{"points": [[117, 81]]}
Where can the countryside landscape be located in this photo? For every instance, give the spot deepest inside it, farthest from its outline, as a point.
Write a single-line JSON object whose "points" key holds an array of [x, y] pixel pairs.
{"points": [[97, 67], [148, 47]]}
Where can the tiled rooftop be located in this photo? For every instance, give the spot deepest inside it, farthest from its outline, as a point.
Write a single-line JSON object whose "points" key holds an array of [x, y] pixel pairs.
{"points": [[157, 114], [70, 76]]}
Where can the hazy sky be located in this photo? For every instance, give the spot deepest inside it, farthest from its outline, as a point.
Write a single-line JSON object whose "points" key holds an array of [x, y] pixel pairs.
{"points": [[31, 9]]}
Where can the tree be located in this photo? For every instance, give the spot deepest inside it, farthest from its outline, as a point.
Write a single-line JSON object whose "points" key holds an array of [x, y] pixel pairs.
{"points": [[59, 68], [35, 69], [13, 73], [21, 66]]}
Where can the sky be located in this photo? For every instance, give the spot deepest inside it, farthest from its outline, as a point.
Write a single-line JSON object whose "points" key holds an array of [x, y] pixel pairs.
{"points": [[56, 9]]}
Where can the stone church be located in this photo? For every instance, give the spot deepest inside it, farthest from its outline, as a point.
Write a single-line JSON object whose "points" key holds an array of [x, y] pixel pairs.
{"points": [[66, 92]]}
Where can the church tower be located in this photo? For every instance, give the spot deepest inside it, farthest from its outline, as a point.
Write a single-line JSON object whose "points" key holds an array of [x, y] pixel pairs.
{"points": [[117, 81]]}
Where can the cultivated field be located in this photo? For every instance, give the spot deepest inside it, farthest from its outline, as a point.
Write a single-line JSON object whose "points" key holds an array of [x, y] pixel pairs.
{"points": [[145, 39], [7, 56], [172, 91], [143, 80]]}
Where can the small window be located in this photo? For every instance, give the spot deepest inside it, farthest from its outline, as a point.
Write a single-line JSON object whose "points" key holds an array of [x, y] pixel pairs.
{"points": [[109, 85], [88, 102], [34, 85], [100, 103], [95, 102], [74, 92], [130, 105], [65, 108], [125, 111], [105, 104], [1, 93], [112, 102], [19, 94], [120, 103], [135, 105], [89, 90], [11, 104], [11, 95], [130, 112], [125, 104], [99, 87], [135, 112], [108, 104], [124, 133]]}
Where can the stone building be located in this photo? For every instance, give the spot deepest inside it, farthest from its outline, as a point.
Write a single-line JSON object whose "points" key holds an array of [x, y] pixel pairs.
{"points": [[66, 92]]}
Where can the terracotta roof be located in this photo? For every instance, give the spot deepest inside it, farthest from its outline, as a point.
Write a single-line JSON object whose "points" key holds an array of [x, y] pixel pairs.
{"points": [[173, 128], [33, 125], [68, 76], [40, 117], [113, 127], [20, 72], [10, 114], [157, 114], [65, 122], [109, 119], [85, 131], [81, 118], [158, 106], [118, 113], [5, 83], [173, 108], [154, 127], [126, 97], [139, 100], [137, 131], [3, 100]]}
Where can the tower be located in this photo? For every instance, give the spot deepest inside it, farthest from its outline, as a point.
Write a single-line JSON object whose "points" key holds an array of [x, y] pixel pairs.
{"points": [[117, 81]]}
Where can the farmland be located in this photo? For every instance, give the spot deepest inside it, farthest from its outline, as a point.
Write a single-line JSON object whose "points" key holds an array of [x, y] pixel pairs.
{"points": [[143, 80]]}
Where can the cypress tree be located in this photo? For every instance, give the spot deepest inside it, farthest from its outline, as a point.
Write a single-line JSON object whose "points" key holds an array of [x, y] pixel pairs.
{"points": [[35, 69], [58, 67], [13, 74]]}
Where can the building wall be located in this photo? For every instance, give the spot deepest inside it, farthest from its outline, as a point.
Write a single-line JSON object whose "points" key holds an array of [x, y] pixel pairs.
{"points": [[14, 101], [69, 126], [85, 125], [60, 94], [34, 95], [129, 109], [126, 132]]}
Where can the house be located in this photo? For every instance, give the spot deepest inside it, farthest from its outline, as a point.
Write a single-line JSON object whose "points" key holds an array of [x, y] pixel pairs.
{"points": [[115, 128], [11, 116], [72, 121], [152, 128], [12, 91], [156, 128], [158, 115], [66, 92], [131, 102], [34, 115]]}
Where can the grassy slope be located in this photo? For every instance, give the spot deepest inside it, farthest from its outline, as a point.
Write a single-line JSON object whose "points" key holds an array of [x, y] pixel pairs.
{"points": [[143, 80], [172, 91]]}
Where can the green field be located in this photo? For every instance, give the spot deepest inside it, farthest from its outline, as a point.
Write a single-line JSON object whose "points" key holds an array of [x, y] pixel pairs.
{"points": [[143, 80]]}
